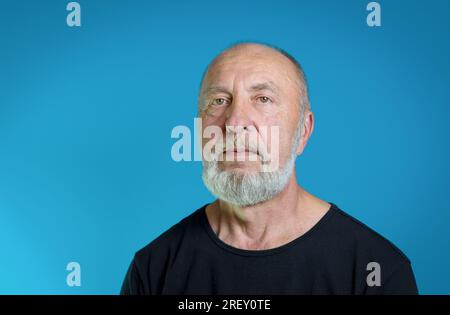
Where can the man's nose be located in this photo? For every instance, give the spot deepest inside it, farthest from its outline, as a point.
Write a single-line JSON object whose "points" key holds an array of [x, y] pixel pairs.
{"points": [[238, 114]]}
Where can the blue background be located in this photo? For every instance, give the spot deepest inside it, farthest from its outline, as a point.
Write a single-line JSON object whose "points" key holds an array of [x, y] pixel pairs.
{"points": [[86, 116]]}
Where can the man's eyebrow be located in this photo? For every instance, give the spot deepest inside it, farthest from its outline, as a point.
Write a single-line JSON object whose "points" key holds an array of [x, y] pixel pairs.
{"points": [[269, 85]]}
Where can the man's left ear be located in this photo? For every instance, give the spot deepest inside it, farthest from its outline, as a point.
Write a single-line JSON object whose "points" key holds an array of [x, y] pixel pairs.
{"points": [[307, 130]]}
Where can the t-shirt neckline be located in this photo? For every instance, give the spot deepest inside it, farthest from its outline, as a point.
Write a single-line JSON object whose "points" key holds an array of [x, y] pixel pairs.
{"points": [[264, 252]]}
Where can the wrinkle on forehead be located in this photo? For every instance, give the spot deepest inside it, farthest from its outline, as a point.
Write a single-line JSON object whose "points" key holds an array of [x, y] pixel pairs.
{"points": [[252, 56]]}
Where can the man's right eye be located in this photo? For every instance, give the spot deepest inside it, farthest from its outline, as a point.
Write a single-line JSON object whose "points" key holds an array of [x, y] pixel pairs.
{"points": [[219, 101]]}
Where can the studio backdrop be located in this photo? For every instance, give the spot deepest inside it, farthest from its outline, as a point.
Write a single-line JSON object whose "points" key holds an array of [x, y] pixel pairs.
{"points": [[90, 92]]}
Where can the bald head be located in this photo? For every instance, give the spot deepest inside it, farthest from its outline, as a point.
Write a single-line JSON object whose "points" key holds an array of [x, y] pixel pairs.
{"points": [[269, 58]]}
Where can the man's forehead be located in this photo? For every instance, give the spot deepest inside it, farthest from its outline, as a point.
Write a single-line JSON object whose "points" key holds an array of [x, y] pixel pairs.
{"points": [[246, 68], [252, 62], [252, 78], [251, 85]]}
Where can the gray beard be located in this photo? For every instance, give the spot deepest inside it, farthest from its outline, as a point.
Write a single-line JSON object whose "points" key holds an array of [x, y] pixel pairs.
{"points": [[247, 189]]}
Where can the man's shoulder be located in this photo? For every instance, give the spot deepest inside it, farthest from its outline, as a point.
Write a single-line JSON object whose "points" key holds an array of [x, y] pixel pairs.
{"points": [[363, 238], [171, 238]]}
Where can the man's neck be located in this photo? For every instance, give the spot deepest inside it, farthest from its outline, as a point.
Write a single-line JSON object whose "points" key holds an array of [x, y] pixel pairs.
{"points": [[268, 224]]}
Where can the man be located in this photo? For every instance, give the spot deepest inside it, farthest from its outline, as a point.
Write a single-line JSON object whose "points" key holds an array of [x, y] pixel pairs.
{"points": [[264, 234]]}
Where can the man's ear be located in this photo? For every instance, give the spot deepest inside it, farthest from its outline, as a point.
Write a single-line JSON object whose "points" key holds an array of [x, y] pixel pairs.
{"points": [[308, 127]]}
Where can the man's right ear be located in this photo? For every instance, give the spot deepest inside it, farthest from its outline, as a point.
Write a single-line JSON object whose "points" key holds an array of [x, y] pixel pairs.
{"points": [[307, 130]]}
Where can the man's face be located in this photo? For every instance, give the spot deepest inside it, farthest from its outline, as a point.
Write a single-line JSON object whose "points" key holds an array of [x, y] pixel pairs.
{"points": [[257, 88], [250, 95]]}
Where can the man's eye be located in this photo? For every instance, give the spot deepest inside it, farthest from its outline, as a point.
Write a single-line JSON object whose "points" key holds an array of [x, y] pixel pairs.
{"points": [[264, 99], [219, 101]]}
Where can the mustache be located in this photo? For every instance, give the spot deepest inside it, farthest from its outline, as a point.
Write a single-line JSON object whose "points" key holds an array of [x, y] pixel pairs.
{"points": [[240, 143]]}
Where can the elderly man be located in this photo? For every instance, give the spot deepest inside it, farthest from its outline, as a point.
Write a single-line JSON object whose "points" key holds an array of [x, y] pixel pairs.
{"points": [[264, 234]]}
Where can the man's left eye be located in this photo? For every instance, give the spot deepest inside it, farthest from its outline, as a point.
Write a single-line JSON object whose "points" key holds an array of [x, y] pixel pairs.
{"points": [[264, 99]]}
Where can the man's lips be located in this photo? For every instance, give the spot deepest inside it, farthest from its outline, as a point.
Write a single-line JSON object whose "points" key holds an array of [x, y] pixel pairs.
{"points": [[240, 151]]}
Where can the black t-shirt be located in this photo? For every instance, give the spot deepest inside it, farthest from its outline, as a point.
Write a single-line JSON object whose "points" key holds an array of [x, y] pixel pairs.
{"points": [[338, 255]]}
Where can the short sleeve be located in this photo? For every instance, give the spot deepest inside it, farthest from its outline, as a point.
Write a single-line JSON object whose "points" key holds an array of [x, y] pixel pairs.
{"points": [[401, 281], [132, 284]]}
